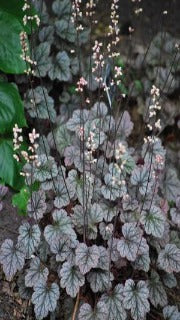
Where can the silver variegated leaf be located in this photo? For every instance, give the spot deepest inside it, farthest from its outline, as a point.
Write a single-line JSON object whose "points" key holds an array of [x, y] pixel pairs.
{"points": [[29, 238], [112, 249], [42, 106], [171, 313], [99, 110], [171, 185], [87, 257], [136, 299], [109, 211], [112, 190], [175, 216], [71, 278], [37, 271], [47, 168], [169, 280], [143, 179], [169, 258], [60, 247], [125, 125], [142, 262], [100, 280], [44, 298], [157, 293], [47, 34], [128, 247], [62, 8], [153, 221], [106, 230], [114, 302], [12, 258], [44, 147], [60, 69], [103, 262], [41, 56], [24, 291], [66, 30], [100, 312], [94, 215], [63, 138], [70, 154], [36, 206], [78, 119], [61, 225], [64, 194]]}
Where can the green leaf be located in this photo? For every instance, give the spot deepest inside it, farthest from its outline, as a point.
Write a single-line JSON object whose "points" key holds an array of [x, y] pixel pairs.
{"points": [[138, 85], [20, 201], [11, 108], [9, 167], [10, 46], [14, 7]]}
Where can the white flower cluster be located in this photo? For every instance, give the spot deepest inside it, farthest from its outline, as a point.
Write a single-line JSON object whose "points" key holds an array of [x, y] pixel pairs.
{"points": [[90, 9], [98, 59], [77, 13], [114, 29], [81, 84], [25, 56], [17, 142], [116, 179], [120, 150], [118, 74], [24, 39]]}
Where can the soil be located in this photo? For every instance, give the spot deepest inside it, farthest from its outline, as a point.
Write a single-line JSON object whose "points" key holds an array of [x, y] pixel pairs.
{"points": [[9, 219]]}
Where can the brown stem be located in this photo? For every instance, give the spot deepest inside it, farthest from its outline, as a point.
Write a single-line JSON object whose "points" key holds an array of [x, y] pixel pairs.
{"points": [[76, 306]]}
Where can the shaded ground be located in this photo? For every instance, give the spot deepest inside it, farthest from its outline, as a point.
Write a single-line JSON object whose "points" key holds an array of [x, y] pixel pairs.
{"points": [[9, 219]]}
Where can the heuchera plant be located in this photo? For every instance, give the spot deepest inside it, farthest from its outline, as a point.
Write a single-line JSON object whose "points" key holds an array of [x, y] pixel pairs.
{"points": [[99, 242]]}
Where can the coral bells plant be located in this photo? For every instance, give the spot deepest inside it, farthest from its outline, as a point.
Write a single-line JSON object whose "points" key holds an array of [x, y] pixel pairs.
{"points": [[100, 240]]}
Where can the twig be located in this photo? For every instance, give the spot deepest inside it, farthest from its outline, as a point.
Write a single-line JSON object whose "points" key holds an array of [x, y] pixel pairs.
{"points": [[76, 306]]}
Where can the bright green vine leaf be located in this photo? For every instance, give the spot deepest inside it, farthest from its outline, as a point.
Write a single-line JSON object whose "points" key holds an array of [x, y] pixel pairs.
{"points": [[14, 7], [10, 46], [20, 201], [9, 167], [11, 108]]}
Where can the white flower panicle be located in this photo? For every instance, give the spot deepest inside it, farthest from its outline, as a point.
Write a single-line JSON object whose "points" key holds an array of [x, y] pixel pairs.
{"points": [[98, 59], [81, 84], [90, 9], [77, 13], [22, 154], [24, 39], [155, 94], [120, 150], [114, 30]]}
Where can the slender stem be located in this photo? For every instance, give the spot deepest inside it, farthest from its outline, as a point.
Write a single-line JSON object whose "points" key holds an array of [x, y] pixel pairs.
{"points": [[76, 306]]}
